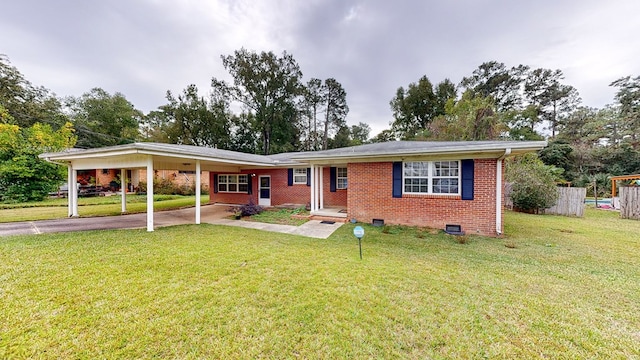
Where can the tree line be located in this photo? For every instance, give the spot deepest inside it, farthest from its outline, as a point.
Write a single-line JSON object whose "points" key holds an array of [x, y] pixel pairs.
{"points": [[586, 145], [268, 107]]}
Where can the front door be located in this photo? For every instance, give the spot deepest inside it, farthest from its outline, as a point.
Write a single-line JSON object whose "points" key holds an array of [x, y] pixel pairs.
{"points": [[264, 199]]}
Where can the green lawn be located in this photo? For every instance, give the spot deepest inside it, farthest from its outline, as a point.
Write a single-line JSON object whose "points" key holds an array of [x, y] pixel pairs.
{"points": [[281, 216], [92, 206], [569, 289]]}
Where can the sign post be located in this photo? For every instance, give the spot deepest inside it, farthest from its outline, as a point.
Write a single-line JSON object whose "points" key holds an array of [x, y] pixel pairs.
{"points": [[358, 231]]}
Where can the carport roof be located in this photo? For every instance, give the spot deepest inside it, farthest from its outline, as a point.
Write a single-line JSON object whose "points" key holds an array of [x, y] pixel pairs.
{"points": [[165, 150]]}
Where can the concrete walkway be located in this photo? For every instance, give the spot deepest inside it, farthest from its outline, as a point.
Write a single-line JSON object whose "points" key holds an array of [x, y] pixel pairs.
{"points": [[211, 214], [312, 228]]}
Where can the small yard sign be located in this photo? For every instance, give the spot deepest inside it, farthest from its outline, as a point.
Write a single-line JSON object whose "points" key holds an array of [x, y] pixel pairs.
{"points": [[358, 231]]}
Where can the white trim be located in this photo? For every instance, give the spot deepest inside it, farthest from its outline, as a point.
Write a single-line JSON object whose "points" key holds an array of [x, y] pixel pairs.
{"points": [[317, 188], [346, 177], [299, 175], [123, 190], [430, 177], [198, 185], [507, 152], [321, 187], [73, 190], [264, 201], [69, 193], [237, 183], [312, 201], [150, 192]]}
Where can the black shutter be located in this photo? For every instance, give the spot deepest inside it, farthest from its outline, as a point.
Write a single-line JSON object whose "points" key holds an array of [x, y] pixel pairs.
{"points": [[308, 176], [249, 184], [467, 179], [289, 177], [397, 179], [332, 181], [215, 183]]}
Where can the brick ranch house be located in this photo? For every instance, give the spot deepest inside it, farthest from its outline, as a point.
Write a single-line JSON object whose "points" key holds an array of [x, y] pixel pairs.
{"points": [[419, 183]]}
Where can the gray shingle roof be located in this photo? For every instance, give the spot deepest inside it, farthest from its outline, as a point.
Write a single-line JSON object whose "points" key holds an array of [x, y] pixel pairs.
{"points": [[399, 148], [386, 149]]}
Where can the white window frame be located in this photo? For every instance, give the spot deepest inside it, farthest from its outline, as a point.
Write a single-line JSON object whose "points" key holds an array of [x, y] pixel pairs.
{"points": [[339, 177], [235, 184], [298, 174], [429, 171]]}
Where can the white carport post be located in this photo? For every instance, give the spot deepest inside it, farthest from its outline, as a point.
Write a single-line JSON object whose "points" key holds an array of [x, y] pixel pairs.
{"points": [[312, 173], [123, 189], [150, 192], [198, 185], [69, 192], [72, 189]]}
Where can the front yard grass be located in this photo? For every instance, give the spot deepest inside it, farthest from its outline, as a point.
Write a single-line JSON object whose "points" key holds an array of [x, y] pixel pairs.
{"points": [[281, 216], [92, 206], [569, 289]]}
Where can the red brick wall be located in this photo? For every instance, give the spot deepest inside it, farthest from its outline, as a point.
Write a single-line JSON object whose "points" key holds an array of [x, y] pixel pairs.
{"points": [[281, 193], [105, 179], [370, 197]]}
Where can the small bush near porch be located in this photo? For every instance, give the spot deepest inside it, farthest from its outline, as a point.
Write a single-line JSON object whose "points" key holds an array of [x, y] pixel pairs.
{"points": [[557, 287]]}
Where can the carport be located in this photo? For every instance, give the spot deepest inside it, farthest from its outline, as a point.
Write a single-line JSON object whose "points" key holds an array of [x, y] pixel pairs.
{"points": [[152, 156]]}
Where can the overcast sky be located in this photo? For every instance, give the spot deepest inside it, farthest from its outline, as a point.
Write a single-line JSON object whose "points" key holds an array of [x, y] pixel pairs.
{"points": [[144, 48]]}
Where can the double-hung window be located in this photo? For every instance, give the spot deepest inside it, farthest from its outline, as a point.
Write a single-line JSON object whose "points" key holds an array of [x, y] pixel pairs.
{"points": [[300, 176], [341, 178], [233, 183], [431, 177]]}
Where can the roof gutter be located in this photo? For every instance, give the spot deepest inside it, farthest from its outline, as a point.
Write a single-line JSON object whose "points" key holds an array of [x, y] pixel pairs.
{"points": [[499, 162]]}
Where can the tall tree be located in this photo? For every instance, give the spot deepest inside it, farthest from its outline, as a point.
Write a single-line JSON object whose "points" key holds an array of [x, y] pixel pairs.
{"points": [[360, 133], [26, 103], [495, 80], [267, 86], [155, 127], [336, 108], [628, 97], [243, 136], [310, 107], [102, 119], [549, 97], [195, 120], [470, 118], [414, 108], [384, 136]]}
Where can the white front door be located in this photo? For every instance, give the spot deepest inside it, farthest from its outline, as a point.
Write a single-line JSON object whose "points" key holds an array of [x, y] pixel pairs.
{"points": [[264, 190]]}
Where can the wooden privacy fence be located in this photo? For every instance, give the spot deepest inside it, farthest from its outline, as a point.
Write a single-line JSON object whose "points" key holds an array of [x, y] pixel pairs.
{"points": [[570, 202], [630, 203]]}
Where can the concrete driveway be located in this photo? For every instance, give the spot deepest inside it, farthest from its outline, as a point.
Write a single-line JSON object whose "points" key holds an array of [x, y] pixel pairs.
{"points": [[208, 213], [212, 214]]}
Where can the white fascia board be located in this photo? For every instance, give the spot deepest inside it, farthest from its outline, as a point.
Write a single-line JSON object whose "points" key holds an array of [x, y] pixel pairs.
{"points": [[205, 158], [123, 162]]}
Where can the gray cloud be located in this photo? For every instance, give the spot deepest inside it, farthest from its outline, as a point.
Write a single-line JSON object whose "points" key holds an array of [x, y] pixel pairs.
{"points": [[144, 48]]}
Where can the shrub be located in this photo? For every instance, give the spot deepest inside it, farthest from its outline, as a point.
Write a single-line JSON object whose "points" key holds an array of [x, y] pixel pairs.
{"points": [[533, 183], [247, 209]]}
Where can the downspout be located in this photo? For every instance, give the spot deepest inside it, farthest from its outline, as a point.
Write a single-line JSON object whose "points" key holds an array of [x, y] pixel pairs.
{"points": [[507, 152]]}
